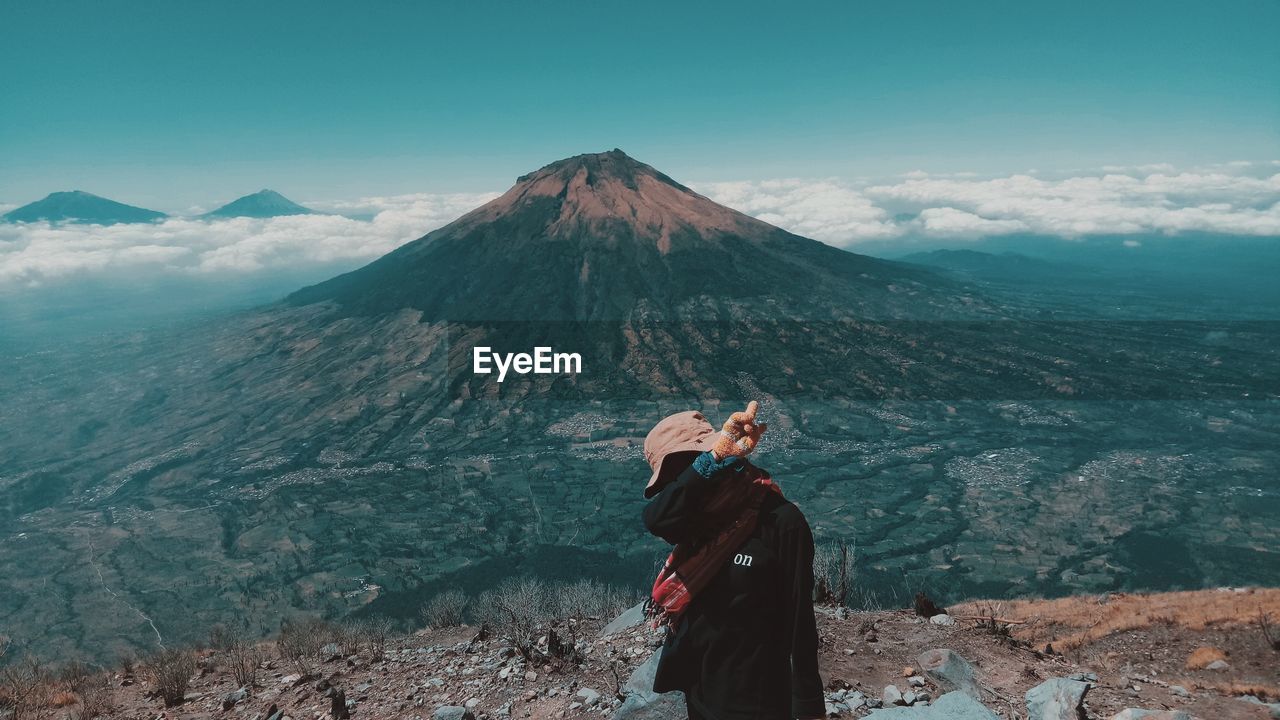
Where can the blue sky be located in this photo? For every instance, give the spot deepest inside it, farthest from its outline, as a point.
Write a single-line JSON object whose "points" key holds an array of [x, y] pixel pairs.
{"points": [[172, 104]]}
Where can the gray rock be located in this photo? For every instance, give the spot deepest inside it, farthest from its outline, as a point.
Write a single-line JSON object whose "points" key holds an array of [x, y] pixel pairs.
{"points": [[588, 696], [950, 672], [1140, 714], [1179, 691], [629, 618], [943, 619], [1273, 707], [642, 703], [844, 701], [952, 706], [452, 712], [1084, 677], [230, 699], [891, 695], [915, 681], [1218, 666], [1057, 699], [909, 698]]}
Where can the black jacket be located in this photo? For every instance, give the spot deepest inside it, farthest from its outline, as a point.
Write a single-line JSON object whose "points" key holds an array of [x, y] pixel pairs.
{"points": [[747, 647]]}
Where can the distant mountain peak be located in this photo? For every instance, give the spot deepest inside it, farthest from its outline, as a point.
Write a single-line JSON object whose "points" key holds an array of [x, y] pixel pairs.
{"points": [[83, 207], [263, 204]]}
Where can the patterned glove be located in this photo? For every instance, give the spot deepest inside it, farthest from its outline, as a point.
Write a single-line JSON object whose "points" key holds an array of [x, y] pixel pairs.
{"points": [[740, 434]]}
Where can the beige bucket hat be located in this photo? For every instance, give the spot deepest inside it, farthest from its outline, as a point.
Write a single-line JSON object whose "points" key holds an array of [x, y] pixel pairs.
{"points": [[684, 432]]}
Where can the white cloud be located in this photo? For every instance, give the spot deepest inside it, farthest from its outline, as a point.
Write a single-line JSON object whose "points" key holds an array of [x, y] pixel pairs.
{"points": [[31, 254], [953, 222], [1233, 198], [824, 210], [1108, 203]]}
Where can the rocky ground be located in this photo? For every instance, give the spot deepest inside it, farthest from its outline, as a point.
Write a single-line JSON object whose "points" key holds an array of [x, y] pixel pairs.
{"points": [[980, 661]]}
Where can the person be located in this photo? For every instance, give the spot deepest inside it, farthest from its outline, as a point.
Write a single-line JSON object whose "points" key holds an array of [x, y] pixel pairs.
{"points": [[736, 593]]}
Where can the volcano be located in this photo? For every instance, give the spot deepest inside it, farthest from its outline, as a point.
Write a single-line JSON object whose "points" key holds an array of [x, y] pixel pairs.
{"points": [[81, 207], [606, 237], [262, 204]]}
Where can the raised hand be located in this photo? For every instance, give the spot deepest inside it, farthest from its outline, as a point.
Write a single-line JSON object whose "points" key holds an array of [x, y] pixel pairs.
{"points": [[740, 434]]}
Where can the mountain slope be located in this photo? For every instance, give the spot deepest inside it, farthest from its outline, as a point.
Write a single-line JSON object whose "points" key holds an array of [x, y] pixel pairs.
{"points": [[605, 237], [80, 206], [262, 204]]}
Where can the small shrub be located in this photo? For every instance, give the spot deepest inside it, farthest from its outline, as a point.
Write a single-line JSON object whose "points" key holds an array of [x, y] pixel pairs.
{"points": [[95, 698], [590, 599], [367, 637], [170, 671], [301, 641], [76, 675], [1269, 634], [516, 608], [243, 658], [833, 573], [445, 609], [127, 662], [991, 618], [26, 689]]}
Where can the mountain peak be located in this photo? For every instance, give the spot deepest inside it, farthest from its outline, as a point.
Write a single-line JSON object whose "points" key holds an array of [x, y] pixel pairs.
{"points": [[600, 167], [612, 162], [610, 196], [81, 206], [263, 204]]}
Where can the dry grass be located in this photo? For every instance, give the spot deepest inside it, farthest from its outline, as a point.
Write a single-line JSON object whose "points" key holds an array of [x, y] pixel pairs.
{"points": [[1070, 623], [1202, 657], [1265, 693]]}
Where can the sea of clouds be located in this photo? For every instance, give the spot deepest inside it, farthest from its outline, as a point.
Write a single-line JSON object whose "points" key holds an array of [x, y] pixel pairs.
{"points": [[1241, 198]]}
